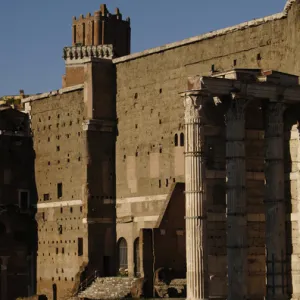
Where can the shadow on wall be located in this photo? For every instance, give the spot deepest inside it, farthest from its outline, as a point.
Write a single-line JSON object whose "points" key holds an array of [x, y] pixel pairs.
{"points": [[18, 227]]}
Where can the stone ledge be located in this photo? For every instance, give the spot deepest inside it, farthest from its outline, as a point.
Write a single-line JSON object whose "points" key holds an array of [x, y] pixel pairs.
{"points": [[202, 37], [54, 93], [288, 5], [80, 52], [99, 125]]}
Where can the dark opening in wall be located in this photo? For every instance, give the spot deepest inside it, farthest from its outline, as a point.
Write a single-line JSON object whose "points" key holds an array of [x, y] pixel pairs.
{"points": [[63, 250], [159, 183], [160, 121], [80, 211], [136, 126], [181, 139], [234, 62], [80, 246], [56, 250], [59, 190], [57, 148], [71, 209], [46, 197], [135, 95], [49, 163], [61, 210], [167, 182], [24, 200], [160, 91], [258, 56], [48, 139], [213, 68], [176, 140], [60, 230]]}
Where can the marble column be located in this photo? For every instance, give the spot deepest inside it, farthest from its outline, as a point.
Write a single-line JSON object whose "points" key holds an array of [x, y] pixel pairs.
{"points": [[4, 263], [195, 200], [236, 200], [275, 202]]}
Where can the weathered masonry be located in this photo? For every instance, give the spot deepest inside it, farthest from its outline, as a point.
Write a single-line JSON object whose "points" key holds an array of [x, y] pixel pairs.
{"points": [[116, 149], [75, 184]]}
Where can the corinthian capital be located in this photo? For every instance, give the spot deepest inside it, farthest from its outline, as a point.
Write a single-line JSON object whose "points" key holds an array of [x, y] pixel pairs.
{"points": [[236, 110], [275, 111], [194, 106]]}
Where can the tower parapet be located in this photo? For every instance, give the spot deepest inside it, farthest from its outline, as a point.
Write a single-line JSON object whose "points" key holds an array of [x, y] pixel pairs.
{"points": [[103, 28], [76, 53]]}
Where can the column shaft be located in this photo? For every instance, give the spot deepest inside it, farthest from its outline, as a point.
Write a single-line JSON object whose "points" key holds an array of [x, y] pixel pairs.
{"points": [[275, 203], [195, 201], [236, 201]]}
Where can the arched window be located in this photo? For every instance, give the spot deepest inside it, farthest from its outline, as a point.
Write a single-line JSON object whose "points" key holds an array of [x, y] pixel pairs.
{"points": [[136, 253], [176, 140], [181, 139], [122, 247]]}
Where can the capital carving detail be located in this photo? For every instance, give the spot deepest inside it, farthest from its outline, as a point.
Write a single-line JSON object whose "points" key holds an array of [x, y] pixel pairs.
{"points": [[275, 111], [194, 107], [236, 111]]}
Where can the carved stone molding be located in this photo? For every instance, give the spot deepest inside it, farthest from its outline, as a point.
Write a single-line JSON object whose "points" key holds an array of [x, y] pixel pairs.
{"points": [[81, 52], [236, 111], [274, 117], [194, 108]]}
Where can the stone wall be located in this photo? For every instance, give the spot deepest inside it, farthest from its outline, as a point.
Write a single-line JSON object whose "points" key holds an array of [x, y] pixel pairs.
{"points": [[60, 169], [150, 115]]}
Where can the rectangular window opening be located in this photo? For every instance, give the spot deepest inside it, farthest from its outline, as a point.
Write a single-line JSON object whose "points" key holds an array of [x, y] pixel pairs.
{"points": [[46, 197], [80, 246], [24, 200], [59, 190]]}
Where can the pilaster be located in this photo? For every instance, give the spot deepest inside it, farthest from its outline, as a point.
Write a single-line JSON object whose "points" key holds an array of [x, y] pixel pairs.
{"points": [[195, 199], [275, 202], [237, 245]]}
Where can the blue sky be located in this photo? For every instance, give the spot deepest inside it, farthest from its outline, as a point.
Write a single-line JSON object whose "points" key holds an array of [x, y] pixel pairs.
{"points": [[34, 32]]}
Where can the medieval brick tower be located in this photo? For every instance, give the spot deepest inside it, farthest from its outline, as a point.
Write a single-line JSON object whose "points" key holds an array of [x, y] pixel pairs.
{"points": [[103, 35], [74, 132]]}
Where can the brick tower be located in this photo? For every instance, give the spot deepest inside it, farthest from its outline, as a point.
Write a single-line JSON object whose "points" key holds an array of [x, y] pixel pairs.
{"points": [[95, 38]]}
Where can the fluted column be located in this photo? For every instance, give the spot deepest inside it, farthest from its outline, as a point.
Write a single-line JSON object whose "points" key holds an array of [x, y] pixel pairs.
{"points": [[4, 263], [236, 201], [195, 200], [275, 202]]}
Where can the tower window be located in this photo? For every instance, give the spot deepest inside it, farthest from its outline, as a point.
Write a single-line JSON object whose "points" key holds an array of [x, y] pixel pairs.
{"points": [[46, 197]]}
